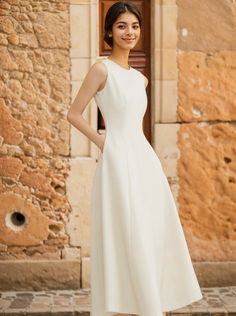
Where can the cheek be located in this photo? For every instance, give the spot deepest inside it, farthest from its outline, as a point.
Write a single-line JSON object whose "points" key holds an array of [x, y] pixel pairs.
{"points": [[119, 32]]}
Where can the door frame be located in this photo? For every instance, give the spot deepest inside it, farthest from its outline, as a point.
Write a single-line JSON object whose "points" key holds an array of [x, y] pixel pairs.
{"points": [[84, 19]]}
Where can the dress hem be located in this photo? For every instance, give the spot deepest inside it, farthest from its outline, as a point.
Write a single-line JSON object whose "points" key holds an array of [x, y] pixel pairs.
{"points": [[174, 307]]}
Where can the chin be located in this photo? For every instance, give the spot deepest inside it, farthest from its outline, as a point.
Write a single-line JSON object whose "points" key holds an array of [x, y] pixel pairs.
{"points": [[126, 45]]}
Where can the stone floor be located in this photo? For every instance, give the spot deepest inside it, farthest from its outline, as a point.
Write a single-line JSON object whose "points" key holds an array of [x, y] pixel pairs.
{"points": [[216, 301]]}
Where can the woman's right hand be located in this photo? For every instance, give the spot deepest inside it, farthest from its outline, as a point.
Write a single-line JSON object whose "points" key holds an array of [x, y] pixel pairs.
{"points": [[102, 142]]}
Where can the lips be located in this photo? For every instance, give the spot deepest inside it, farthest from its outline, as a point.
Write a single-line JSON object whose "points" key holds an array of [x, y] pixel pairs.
{"points": [[128, 39]]}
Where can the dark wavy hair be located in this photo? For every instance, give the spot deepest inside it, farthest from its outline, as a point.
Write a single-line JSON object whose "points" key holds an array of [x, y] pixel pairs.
{"points": [[113, 13]]}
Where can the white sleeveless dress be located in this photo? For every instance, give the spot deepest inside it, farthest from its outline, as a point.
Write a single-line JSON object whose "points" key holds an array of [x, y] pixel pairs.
{"points": [[140, 263]]}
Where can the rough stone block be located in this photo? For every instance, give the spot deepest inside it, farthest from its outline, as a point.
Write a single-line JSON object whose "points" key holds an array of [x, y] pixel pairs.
{"points": [[207, 191], [206, 25], [21, 222], [39, 275], [205, 86]]}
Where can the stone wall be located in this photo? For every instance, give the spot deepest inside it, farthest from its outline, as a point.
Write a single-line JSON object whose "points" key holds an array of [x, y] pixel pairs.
{"points": [[207, 135], [34, 134]]}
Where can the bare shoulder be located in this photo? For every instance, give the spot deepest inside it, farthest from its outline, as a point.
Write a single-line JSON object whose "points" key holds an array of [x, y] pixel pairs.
{"points": [[98, 68], [96, 76], [99, 74]]}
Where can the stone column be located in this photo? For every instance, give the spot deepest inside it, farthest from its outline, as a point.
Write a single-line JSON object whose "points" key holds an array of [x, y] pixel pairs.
{"points": [[83, 153], [164, 87]]}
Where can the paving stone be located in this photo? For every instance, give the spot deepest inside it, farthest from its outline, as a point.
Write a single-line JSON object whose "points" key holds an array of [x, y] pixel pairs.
{"points": [[80, 300], [181, 311], [229, 300], [43, 300], [20, 303], [38, 306], [61, 301], [79, 313], [62, 311], [215, 302], [82, 309], [39, 313], [218, 310], [4, 303], [13, 312], [231, 309]]}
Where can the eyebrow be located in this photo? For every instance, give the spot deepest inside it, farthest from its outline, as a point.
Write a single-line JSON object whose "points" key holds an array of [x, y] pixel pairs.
{"points": [[125, 22]]}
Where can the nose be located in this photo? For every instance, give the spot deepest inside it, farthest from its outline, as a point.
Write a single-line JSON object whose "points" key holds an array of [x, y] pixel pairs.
{"points": [[129, 32]]}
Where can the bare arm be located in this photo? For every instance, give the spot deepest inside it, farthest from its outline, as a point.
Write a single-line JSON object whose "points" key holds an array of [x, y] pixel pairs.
{"points": [[93, 82]]}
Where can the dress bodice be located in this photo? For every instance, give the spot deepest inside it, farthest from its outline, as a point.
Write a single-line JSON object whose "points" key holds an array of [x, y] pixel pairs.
{"points": [[123, 99]]}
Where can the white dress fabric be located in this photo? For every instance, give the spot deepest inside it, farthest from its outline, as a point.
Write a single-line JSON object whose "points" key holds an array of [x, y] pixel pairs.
{"points": [[140, 263]]}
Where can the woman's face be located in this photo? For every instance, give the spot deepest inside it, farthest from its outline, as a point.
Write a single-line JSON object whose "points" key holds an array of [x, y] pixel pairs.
{"points": [[126, 31]]}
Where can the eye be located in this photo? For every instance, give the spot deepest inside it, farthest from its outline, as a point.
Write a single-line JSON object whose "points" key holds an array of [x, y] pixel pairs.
{"points": [[120, 26]]}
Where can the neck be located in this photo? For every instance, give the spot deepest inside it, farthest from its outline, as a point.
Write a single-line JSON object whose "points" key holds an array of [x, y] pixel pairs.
{"points": [[121, 56]]}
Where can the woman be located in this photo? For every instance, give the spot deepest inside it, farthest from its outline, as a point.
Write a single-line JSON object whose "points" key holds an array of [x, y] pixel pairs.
{"points": [[140, 262]]}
